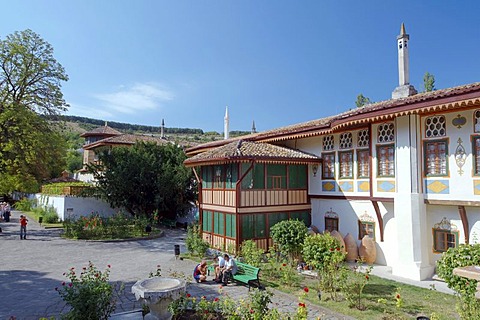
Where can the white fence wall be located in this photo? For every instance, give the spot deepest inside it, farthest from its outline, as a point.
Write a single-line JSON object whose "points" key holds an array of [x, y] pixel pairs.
{"points": [[75, 207]]}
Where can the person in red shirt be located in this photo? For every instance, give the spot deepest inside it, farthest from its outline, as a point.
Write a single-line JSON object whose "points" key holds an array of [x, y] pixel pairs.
{"points": [[23, 227], [200, 272]]}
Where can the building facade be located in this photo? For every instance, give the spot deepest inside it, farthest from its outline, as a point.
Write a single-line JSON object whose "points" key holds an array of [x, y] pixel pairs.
{"points": [[404, 171]]}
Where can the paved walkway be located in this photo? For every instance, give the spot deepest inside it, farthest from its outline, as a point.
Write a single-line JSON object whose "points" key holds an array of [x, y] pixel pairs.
{"points": [[31, 269]]}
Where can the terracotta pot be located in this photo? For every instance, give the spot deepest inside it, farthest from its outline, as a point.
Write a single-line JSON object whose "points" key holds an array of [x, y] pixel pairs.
{"points": [[351, 246], [368, 250], [337, 235]]}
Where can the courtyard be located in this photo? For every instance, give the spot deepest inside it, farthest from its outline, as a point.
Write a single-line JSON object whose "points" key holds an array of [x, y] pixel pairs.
{"points": [[31, 269]]}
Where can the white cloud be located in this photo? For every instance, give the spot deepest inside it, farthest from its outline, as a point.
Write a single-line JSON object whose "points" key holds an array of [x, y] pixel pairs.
{"points": [[89, 112], [139, 97]]}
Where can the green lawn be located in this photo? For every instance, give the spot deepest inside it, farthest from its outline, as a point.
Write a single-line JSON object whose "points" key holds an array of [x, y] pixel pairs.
{"points": [[31, 215], [379, 300]]}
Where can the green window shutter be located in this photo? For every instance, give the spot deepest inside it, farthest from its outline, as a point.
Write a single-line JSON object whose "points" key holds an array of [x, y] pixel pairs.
{"points": [[231, 175], [207, 221], [219, 223], [276, 170], [274, 218], [259, 176], [207, 177], [260, 225], [255, 178], [302, 216], [231, 225], [247, 226], [247, 180], [297, 177]]}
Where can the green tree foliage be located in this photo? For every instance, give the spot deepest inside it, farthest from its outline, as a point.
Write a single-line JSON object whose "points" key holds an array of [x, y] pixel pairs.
{"points": [[145, 178], [289, 236], [362, 100], [462, 256], [428, 82], [251, 253], [322, 251], [30, 150], [90, 123], [30, 84]]}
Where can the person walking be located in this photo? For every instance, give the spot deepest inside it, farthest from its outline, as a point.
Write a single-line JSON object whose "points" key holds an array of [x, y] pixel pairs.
{"points": [[23, 227]]}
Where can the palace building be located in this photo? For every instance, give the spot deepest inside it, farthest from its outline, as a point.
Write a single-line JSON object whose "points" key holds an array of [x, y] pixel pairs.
{"points": [[404, 171]]}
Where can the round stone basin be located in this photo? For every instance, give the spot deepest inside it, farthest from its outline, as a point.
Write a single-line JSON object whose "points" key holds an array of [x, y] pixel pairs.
{"points": [[158, 293]]}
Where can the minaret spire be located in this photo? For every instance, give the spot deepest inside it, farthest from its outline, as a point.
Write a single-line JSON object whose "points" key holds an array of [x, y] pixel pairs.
{"points": [[404, 88], [254, 130], [162, 129], [226, 129]]}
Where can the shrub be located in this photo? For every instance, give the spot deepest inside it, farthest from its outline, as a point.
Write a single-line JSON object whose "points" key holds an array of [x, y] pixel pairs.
{"points": [[118, 226], [322, 251], [50, 215], [289, 236], [251, 253], [89, 295], [462, 256], [194, 242], [352, 284], [25, 204]]}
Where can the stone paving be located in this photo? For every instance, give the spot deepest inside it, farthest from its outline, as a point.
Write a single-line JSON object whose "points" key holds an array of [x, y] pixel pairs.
{"points": [[31, 269]]}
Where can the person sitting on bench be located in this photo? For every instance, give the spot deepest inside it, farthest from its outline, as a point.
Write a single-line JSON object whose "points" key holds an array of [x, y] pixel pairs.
{"points": [[229, 270], [200, 272], [219, 265]]}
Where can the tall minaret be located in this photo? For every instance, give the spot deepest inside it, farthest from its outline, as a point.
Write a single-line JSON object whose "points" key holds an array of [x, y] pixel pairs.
{"points": [[254, 130], [226, 128], [404, 88], [162, 129]]}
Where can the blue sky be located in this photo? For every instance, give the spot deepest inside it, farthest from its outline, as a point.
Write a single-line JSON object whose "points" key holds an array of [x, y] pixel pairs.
{"points": [[275, 62]]}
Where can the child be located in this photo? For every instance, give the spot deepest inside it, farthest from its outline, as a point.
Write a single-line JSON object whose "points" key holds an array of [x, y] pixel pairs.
{"points": [[200, 272], [23, 227]]}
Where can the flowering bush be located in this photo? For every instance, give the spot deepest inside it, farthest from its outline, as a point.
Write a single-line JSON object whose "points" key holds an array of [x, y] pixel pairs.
{"points": [[302, 311], [322, 251], [255, 307], [118, 226], [354, 281], [89, 295]]}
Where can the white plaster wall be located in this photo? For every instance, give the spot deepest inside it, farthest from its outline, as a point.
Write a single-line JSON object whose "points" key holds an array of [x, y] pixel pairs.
{"points": [[435, 214], [75, 207], [460, 184], [349, 213]]}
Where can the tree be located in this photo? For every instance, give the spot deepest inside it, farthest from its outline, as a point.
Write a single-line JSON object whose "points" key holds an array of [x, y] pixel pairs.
{"points": [[145, 178], [30, 84], [428, 82], [289, 235], [30, 150], [362, 100], [29, 75]]}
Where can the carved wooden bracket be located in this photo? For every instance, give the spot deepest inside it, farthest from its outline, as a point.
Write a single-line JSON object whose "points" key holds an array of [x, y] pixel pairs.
{"points": [[379, 218]]}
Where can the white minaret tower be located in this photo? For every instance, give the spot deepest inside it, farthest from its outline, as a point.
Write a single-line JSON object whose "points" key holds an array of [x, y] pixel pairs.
{"points": [[404, 88], [162, 129], [226, 128]]}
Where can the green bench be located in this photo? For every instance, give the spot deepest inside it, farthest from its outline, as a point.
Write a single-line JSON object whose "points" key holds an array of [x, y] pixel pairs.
{"points": [[247, 274]]}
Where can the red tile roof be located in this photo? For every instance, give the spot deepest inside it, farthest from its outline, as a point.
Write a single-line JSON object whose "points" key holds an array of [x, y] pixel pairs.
{"points": [[124, 139], [445, 99], [242, 151], [101, 131]]}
